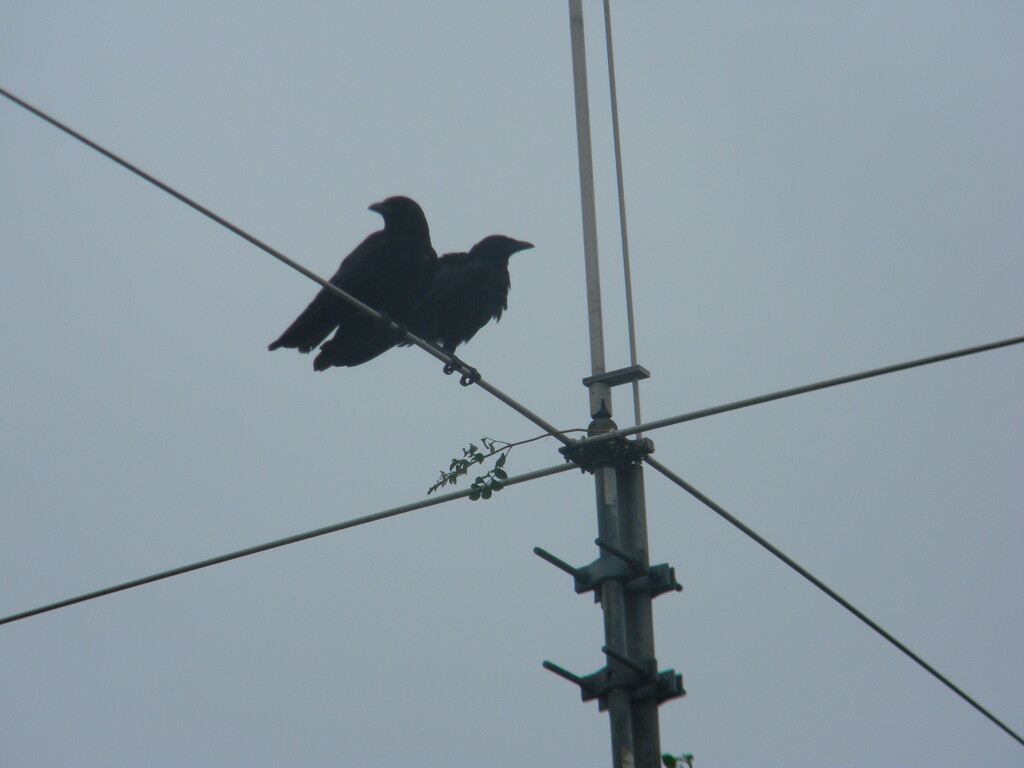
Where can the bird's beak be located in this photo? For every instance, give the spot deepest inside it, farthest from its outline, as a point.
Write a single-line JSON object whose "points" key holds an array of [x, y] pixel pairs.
{"points": [[521, 245], [378, 208]]}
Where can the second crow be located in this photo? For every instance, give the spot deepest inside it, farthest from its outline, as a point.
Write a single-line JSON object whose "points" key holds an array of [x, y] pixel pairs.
{"points": [[470, 290]]}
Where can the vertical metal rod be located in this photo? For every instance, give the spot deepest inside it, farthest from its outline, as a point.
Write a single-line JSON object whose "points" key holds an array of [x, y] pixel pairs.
{"points": [[606, 486], [598, 392], [621, 517], [630, 325], [614, 609], [639, 613]]}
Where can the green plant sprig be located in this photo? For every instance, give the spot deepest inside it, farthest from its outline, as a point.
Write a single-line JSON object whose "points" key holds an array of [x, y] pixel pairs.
{"points": [[492, 481]]}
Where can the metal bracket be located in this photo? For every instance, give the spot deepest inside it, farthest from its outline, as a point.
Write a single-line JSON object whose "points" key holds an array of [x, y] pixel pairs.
{"points": [[619, 452], [625, 566], [619, 376], [658, 580], [640, 679]]}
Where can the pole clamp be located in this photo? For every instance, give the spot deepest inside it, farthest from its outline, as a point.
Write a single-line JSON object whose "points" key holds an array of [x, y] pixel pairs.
{"points": [[640, 679], [619, 452], [628, 567]]}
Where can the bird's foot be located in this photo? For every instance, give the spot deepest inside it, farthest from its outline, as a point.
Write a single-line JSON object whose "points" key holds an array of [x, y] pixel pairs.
{"points": [[472, 375]]}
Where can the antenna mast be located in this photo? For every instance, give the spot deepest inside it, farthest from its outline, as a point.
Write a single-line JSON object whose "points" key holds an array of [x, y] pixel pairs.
{"points": [[629, 686]]}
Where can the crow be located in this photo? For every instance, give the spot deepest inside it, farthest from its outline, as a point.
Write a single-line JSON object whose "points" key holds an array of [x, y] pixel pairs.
{"points": [[392, 271], [470, 289]]}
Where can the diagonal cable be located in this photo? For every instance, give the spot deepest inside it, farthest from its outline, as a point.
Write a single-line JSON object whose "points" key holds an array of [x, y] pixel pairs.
{"points": [[468, 373], [737, 404], [826, 589], [624, 236], [393, 512]]}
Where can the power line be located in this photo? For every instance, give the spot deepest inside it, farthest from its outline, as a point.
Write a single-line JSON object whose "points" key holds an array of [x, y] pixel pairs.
{"points": [[737, 404], [717, 509], [449, 360], [393, 512]]}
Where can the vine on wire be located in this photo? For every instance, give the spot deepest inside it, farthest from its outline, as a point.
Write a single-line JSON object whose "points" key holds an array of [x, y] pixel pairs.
{"points": [[486, 485]]}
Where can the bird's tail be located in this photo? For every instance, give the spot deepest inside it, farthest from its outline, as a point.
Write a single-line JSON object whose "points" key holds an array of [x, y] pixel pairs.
{"points": [[353, 349], [313, 326]]}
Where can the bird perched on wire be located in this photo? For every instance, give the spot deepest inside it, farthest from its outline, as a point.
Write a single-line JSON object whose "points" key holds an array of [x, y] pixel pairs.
{"points": [[392, 271], [470, 290]]}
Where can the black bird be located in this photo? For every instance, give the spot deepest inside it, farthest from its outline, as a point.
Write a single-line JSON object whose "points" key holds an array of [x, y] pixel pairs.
{"points": [[391, 270], [470, 289]]}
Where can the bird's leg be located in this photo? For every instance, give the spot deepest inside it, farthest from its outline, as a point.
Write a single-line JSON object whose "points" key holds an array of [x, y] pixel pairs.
{"points": [[450, 368], [472, 377]]}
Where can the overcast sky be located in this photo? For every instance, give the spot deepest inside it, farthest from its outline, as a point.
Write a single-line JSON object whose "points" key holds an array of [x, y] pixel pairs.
{"points": [[813, 189]]}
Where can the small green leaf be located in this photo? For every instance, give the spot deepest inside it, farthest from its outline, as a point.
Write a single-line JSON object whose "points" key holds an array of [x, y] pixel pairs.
{"points": [[500, 461], [495, 485], [486, 493], [474, 495], [501, 474], [668, 761]]}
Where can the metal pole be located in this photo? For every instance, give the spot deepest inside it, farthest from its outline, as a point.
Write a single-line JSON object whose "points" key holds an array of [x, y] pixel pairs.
{"points": [[639, 613], [598, 391], [614, 608], [612, 602], [621, 517]]}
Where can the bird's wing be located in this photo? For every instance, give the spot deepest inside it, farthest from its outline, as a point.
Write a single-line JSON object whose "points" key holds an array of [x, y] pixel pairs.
{"points": [[326, 311], [458, 274], [468, 292], [392, 275]]}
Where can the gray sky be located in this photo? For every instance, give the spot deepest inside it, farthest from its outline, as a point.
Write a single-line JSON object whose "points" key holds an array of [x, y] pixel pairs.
{"points": [[813, 189]]}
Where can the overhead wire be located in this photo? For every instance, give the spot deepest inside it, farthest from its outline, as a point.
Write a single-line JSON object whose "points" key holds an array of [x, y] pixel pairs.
{"points": [[732, 520], [432, 349], [393, 512], [746, 403]]}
